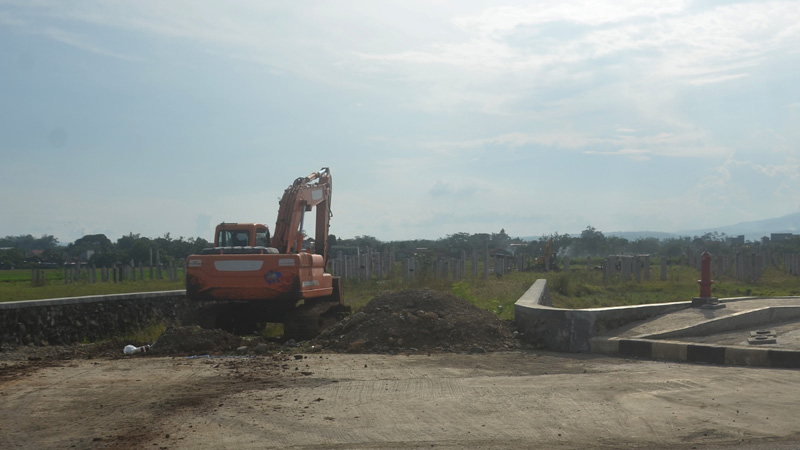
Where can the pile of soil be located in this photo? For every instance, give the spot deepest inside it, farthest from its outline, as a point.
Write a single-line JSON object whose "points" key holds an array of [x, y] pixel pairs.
{"points": [[419, 320], [194, 340]]}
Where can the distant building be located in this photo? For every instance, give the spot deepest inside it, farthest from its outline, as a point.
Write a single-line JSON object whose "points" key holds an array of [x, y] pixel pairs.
{"points": [[736, 240], [780, 237]]}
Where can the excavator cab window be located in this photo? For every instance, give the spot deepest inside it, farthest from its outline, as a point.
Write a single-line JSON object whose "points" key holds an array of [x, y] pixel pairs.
{"points": [[262, 237], [234, 238]]}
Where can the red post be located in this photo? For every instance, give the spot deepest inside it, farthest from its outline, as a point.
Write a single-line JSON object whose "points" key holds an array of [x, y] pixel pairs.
{"points": [[705, 275]]}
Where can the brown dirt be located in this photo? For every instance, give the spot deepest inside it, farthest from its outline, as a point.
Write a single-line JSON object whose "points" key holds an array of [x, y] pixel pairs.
{"points": [[419, 320], [411, 320], [193, 341], [248, 393]]}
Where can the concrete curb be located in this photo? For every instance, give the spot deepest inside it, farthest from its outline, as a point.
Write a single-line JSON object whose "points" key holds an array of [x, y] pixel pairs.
{"points": [[696, 353], [88, 299]]}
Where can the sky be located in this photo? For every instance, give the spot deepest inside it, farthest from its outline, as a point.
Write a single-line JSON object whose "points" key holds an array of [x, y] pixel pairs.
{"points": [[435, 117]]}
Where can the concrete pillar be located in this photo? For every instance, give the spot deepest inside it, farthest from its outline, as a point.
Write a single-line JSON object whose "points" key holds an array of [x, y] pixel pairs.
{"points": [[626, 268], [474, 261], [486, 260], [612, 263]]}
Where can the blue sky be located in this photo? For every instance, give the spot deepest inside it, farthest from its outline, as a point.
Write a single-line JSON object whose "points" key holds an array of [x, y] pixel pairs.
{"points": [[435, 117]]}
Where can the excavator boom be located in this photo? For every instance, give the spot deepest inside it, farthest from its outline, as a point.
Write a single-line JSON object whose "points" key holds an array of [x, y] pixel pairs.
{"points": [[300, 197]]}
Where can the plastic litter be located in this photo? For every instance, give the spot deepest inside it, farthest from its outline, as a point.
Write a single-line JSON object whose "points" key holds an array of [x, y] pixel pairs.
{"points": [[132, 350]]}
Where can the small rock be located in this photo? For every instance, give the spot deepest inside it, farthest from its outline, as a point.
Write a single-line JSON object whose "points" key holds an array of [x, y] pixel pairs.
{"points": [[261, 349], [357, 345]]}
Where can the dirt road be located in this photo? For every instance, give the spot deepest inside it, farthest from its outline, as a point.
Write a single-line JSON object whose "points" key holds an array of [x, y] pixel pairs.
{"points": [[519, 399]]}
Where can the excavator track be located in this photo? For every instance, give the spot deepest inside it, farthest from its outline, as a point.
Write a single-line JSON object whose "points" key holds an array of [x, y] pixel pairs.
{"points": [[310, 319], [240, 318]]}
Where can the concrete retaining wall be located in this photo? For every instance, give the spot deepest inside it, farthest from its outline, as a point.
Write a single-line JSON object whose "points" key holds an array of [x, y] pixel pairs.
{"points": [[571, 330], [70, 320]]}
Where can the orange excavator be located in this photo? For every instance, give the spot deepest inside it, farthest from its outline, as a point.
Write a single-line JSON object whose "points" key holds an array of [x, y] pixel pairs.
{"points": [[249, 278]]}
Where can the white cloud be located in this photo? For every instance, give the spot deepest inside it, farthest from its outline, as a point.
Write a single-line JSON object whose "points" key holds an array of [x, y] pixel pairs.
{"points": [[633, 154], [446, 189], [733, 192], [82, 43], [791, 170], [666, 44], [503, 19], [683, 144]]}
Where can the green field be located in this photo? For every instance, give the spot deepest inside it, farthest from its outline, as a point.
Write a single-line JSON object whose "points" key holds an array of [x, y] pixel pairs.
{"points": [[580, 288], [577, 288], [17, 285]]}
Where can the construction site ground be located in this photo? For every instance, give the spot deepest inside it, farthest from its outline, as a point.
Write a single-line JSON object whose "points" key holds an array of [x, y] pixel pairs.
{"points": [[386, 389]]}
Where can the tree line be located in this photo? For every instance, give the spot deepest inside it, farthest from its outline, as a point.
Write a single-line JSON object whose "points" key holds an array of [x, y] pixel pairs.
{"points": [[589, 243], [99, 250]]}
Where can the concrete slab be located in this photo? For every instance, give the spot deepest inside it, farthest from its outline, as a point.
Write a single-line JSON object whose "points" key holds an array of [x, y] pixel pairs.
{"points": [[671, 331], [716, 336]]}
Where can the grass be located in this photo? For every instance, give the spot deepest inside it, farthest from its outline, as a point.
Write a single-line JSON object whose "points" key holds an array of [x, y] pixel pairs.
{"points": [[16, 285], [586, 289], [146, 335], [576, 288], [579, 288], [494, 294]]}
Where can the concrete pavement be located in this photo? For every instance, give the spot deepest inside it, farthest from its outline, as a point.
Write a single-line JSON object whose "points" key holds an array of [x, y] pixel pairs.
{"points": [[746, 332]]}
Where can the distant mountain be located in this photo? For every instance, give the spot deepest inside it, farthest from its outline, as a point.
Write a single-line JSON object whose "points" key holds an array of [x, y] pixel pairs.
{"points": [[634, 235], [752, 231], [756, 229], [629, 235]]}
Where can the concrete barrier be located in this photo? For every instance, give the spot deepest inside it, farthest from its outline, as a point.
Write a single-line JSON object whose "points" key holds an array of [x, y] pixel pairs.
{"points": [[571, 330]]}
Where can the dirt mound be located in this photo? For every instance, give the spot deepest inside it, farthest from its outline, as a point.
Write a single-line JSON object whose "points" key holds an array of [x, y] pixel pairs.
{"points": [[194, 340], [419, 320]]}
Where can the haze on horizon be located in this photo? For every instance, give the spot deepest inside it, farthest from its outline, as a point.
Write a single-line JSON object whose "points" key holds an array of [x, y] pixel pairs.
{"points": [[435, 117]]}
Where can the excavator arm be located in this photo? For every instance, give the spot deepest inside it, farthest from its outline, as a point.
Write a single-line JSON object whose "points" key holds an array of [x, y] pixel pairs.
{"points": [[305, 194]]}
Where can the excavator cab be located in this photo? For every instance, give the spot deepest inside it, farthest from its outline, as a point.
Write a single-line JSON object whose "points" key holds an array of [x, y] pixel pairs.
{"points": [[242, 235]]}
